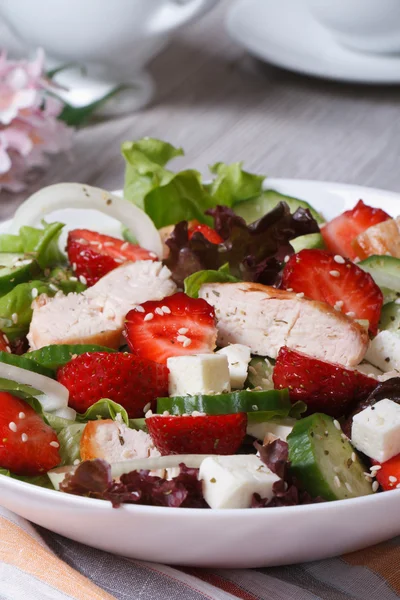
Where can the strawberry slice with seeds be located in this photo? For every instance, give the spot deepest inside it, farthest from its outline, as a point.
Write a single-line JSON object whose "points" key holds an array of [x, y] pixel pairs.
{"points": [[336, 281], [174, 326], [208, 232], [323, 386], [204, 434], [93, 255], [28, 446], [133, 382], [340, 233]]}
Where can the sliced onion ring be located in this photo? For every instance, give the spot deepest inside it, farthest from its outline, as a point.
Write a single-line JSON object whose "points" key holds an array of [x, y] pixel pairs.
{"points": [[77, 195], [55, 395]]}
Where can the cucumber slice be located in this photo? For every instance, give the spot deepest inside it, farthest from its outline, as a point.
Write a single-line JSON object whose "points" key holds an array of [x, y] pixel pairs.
{"points": [[52, 357], [11, 275], [390, 317], [260, 374], [24, 363], [324, 461], [265, 405], [385, 271], [309, 241], [255, 208], [389, 295]]}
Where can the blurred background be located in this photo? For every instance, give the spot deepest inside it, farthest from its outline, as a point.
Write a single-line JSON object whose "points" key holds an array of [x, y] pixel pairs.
{"points": [[218, 89]]}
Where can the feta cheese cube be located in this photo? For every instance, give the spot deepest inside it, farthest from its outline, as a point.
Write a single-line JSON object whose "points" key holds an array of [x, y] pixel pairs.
{"points": [[384, 351], [231, 481], [367, 369], [376, 430], [238, 358], [198, 374], [280, 429]]}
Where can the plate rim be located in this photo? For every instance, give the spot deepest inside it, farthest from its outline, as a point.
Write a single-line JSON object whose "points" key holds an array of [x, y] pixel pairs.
{"points": [[83, 502]]}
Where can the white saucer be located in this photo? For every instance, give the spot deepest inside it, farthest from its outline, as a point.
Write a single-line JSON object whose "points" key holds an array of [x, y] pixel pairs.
{"points": [[283, 33]]}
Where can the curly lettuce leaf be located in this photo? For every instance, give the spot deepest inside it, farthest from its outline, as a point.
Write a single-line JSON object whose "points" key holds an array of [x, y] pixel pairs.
{"points": [[104, 409], [232, 184], [193, 283], [254, 252]]}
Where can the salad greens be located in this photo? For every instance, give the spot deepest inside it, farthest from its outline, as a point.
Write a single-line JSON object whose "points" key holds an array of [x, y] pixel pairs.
{"points": [[193, 283]]}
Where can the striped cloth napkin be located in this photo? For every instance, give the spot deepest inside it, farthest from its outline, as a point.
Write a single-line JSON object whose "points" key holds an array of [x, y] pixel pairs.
{"points": [[36, 564]]}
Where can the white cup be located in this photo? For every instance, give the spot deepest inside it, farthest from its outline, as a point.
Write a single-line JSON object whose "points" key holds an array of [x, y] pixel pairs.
{"points": [[366, 25], [112, 39]]}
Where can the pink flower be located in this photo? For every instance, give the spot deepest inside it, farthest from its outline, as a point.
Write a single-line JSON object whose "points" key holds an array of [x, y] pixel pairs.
{"points": [[29, 125]]}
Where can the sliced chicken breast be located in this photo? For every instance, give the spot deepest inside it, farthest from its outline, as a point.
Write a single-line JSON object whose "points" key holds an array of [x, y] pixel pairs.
{"points": [[115, 442], [266, 319], [97, 315]]}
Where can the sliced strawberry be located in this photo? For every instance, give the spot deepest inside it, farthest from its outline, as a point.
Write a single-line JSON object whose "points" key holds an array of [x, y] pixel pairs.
{"points": [[388, 476], [336, 281], [323, 386], [4, 343], [93, 255], [340, 233], [174, 326], [28, 446], [208, 434], [208, 232], [131, 381]]}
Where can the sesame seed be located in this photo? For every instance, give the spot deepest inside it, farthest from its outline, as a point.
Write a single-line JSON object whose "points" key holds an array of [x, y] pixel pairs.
{"points": [[149, 414], [8, 349], [300, 295], [351, 314], [120, 260], [76, 461], [139, 309], [26, 262], [55, 444], [254, 407], [148, 317], [339, 259], [375, 468], [375, 486], [34, 293], [166, 413], [109, 243], [337, 481], [74, 266], [53, 287], [21, 415], [6, 338], [158, 311], [181, 338], [334, 273], [187, 342], [338, 305], [124, 246], [24, 437], [289, 290], [14, 318], [73, 278], [153, 255], [166, 310], [183, 330], [83, 279], [344, 437], [337, 424], [348, 487], [286, 259], [12, 426], [392, 479], [353, 457], [147, 407]]}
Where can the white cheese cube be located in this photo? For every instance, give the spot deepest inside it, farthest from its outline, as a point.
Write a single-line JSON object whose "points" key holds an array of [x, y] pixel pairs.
{"points": [[369, 370], [376, 430], [231, 481], [384, 351], [280, 429], [238, 358], [198, 374]]}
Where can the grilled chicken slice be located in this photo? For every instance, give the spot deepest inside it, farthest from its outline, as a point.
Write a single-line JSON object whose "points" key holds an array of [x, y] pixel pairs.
{"points": [[115, 442], [383, 238], [266, 319], [97, 315]]}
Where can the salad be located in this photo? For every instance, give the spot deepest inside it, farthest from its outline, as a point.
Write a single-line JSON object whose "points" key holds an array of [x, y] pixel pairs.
{"points": [[230, 349]]}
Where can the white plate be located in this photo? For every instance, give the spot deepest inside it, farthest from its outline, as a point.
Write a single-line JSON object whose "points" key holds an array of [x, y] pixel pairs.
{"points": [[283, 33], [226, 538]]}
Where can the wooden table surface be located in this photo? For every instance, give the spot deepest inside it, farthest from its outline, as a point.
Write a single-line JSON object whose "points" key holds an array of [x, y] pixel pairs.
{"points": [[220, 104]]}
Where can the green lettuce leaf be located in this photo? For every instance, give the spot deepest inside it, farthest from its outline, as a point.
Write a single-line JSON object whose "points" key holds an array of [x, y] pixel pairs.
{"points": [[42, 244], [11, 243], [40, 480], [232, 184], [194, 282], [167, 197], [138, 424], [104, 409], [69, 439], [19, 302], [65, 280]]}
